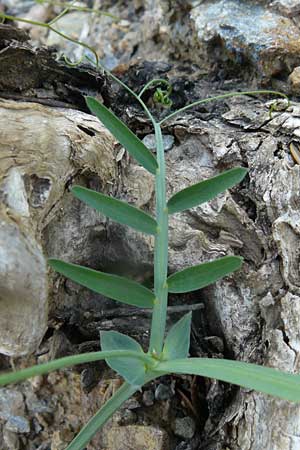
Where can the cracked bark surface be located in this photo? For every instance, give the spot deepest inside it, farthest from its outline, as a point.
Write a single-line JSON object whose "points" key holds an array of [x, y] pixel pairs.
{"points": [[253, 315]]}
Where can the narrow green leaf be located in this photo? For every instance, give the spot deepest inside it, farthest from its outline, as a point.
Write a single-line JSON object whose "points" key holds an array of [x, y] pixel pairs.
{"points": [[131, 369], [113, 286], [177, 342], [205, 190], [263, 379], [125, 136], [117, 210], [68, 361], [202, 275]]}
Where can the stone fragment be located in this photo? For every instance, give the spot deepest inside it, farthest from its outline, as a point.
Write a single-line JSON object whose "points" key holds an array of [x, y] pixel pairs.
{"points": [[163, 392], [11, 440], [184, 427], [184, 446], [132, 404], [148, 398], [138, 437], [11, 403], [294, 80], [71, 24], [168, 141], [60, 439], [248, 32], [286, 7], [125, 417], [18, 424]]}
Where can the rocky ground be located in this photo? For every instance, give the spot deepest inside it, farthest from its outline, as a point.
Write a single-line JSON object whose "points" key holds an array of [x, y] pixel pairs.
{"points": [[204, 48]]}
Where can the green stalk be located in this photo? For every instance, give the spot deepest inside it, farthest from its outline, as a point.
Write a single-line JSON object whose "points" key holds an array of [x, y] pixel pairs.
{"points": [[99, 419], [159, 314], [46, 25], [221, 97], [68, 361]]}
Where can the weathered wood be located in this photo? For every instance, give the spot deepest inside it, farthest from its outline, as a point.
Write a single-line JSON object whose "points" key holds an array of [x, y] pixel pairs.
{"points": [[34, 74]]}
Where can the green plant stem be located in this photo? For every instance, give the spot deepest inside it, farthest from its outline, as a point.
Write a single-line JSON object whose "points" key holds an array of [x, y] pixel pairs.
{"points": [[63, 13], [47, 25], [160, 251], [72, 7], [99, 419], [154, 81], [221, 97], [68, 361]]}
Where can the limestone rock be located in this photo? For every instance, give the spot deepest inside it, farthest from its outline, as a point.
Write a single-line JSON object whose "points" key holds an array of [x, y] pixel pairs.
{"points": [[11, 403], [286, 7], [184, 427], [294, 80], [247, 33]]}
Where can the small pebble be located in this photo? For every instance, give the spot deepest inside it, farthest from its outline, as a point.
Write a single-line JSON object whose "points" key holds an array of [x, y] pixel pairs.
{"points": [[11, 440], [184, 427], [126, 417], [148, 398], [183, 446], [168, 141], [131, 404], [163, 392], [18, 424]]}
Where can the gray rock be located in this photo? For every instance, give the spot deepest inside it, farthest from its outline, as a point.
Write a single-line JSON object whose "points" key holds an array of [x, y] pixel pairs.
{"points": [[131, 404], [184, 427], [11, 404], [248, 31], [148, 398], [125, 417], [11, 440], [17, 6], [71, 24], [163, 392], [183, 446], [18, 424], [294, 80], [286, 7], [168, 141], [35, 405]]}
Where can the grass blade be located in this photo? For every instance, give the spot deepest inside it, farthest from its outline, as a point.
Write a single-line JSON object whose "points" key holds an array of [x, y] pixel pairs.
{"points": [[125, 136], [205, 190], [68, 361], [112, 286], [117, 210], [197, 277], [251, 376]]}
